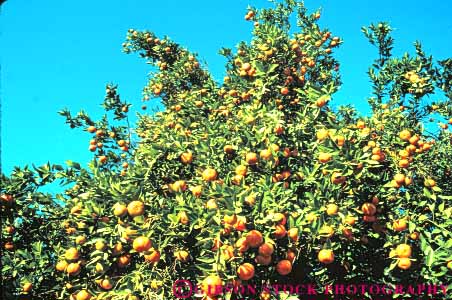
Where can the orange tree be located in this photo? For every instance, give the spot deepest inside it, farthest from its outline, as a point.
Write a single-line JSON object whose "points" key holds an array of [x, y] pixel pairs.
{"points": [[258, 180]]}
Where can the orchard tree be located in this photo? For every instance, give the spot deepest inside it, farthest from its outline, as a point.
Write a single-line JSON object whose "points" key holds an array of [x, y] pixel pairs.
{"points": [[258, 180]]}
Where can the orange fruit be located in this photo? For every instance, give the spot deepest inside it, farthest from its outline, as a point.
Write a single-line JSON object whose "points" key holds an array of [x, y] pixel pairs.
{"points": [[83, 295], [403, 250], [399, 225], [350, 220], [291, 255], [100, 245], [80, 240], [27, 287], [266, 249], [265, 154], [178, 186], [124, 260], [91, 129], [284, 267], [182, 255], [119, 209], [337, 178], [326, 256], [241, 170], [242, 245], [404, 263], [254, 238], [280, 231], [327, 231], [332, 209], [263, 260], [135, 208], [211, 204], [405, 135], [245, 271], [212, 285], [369, 209], [324, 157], [404, 163], [103, 159], [251, 158], [61, 266], [227, 252], [72, 254], [183, 218], [429, 183], [322, 134], [106, 284], [229, 149], [73, 269], [280, 218], [284, 91], [449, 263], [293, 234], [196, 191], [414, 235], [399, 178], [142, 243], [230, 219], [153, 257], [186, 158], [209, 174]]}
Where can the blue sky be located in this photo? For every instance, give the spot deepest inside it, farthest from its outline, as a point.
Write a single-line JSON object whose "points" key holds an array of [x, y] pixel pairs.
{"points": [[58, 54]]}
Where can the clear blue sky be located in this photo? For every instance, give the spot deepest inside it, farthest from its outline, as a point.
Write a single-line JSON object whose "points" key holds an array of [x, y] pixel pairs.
{"points": [[58, 54]]}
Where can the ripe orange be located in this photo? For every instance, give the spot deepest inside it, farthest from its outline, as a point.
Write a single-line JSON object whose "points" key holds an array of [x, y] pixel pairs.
{"points": [[404, 263], [399, 225], [404, 163], [212, 204], [280, 231], [142, 243], [327, 231], [242, 245], [230, 219], [265, 154], [209, 174], [405, 135], [251, 158], [263, 260], [182, 255], [103, 159], [135, 208], [322, 134], [178, 186], [245, 271], [284, 90], [325, 157], [227, 252], [337, 178], [291, 255], [119, 209], [241, 170], [229, 149], [399, 178], [369, 209], [266, 249], [326, 256], [350, 220], [83, 295], [212, 285], [106, 284], [72, 254], [100, 245], [153, 257], [186, 158], [73, 269], [91, 129], [27, 287], [124, 260], [254, 238], [196, 191], [61, 266], [429, 183], [284, 267], [414, 235], [183, 218], [80, 240], [332, 209], [293, 234], [403, 250]]}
